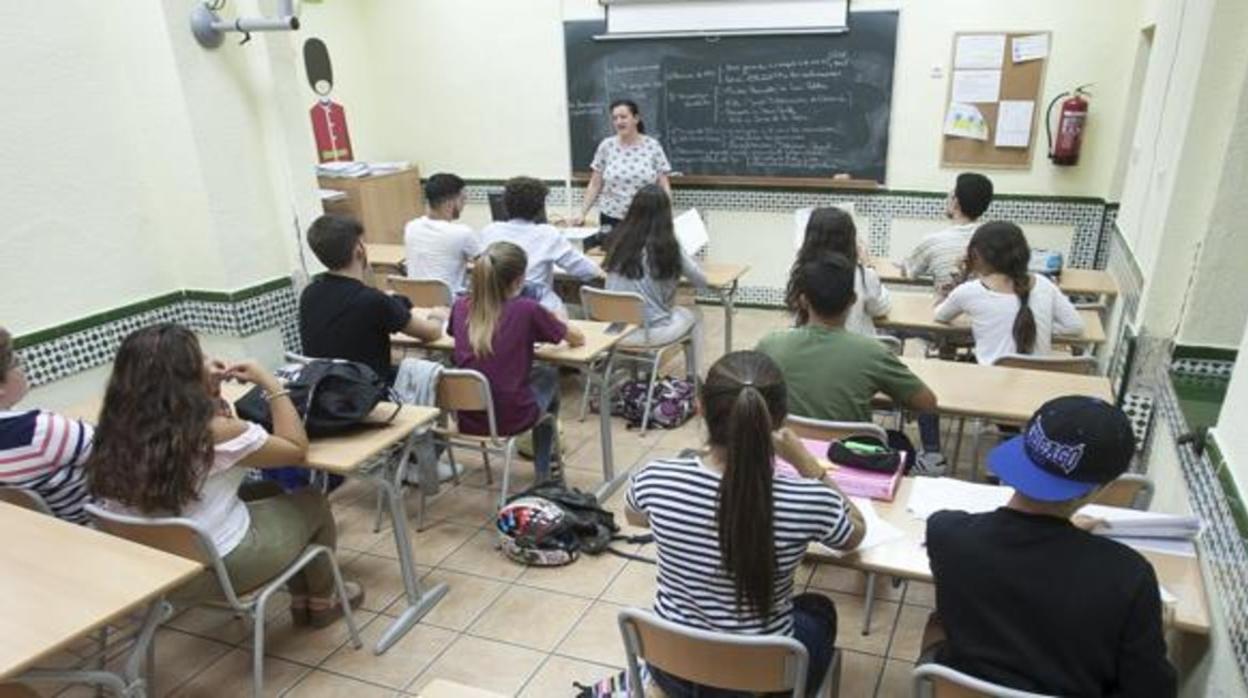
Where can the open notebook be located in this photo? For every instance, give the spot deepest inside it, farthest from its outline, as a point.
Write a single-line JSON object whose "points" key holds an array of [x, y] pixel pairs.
{"points": [[852, 481]]}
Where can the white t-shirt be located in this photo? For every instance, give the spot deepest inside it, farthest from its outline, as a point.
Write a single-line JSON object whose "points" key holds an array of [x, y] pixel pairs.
{"points": [[992, 316], [439, 250], [625, 169], [219, 511], [873, 301]]}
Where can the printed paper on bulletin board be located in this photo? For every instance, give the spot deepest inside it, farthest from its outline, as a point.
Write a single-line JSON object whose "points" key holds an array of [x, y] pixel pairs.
{"points": [[1023, 81]]}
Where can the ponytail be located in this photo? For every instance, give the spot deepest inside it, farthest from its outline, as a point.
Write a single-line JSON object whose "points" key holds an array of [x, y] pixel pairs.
{"points": [[744, 400], [745, 514], [1025, 321], [493, 275]]}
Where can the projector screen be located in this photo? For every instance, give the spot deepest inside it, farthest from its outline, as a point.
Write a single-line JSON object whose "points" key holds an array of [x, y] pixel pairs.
{"points": [[725, 16]]}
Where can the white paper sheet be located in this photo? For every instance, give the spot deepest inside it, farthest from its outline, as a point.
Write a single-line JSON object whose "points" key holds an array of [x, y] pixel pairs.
{"points": [[579, 232], [971, 86], [879, 531], [1014, 123], [965, 121], [1030, 48], [690, 231], [932, 494], [979, 51]]}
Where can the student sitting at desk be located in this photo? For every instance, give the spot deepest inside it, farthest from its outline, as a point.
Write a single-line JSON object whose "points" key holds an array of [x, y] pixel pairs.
{"points": [[645, 258], [832, 230], [731, 533], [495, 329], [1012, 311], [40, 451], [436, 247], [833, 373], [525, 201], [940, 254], [341, 317], [164, 448], [1025, 597]]}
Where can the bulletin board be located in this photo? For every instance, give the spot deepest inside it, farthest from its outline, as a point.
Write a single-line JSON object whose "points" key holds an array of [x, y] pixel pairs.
{"points": [[1021, 81]]}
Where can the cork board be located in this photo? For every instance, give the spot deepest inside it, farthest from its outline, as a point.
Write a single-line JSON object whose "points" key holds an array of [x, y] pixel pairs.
{"points": [[1019, 81]]}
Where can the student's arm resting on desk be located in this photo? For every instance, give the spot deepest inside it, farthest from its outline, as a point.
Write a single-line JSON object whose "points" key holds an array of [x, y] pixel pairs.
{"points": [[953, 305], [918, 262], [576, 263], [422, 328], [790, 448], [690, 270], [1066, 318], [896, 380], [288, 444], [877, 301]]}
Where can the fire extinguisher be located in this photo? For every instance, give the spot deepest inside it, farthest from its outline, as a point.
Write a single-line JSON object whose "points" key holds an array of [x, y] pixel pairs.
{"points": [[1070, 125]]}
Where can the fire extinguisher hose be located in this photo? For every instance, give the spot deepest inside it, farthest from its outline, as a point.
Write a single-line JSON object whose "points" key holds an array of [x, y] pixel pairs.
{"points": [[1048, 121]]}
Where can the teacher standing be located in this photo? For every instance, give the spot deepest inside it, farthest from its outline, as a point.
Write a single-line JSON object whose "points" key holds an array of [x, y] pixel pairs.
{"points": [[623, 164]]}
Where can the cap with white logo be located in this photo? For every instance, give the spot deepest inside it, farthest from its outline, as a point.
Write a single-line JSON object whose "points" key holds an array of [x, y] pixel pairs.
{"points": [[1071, 445]]}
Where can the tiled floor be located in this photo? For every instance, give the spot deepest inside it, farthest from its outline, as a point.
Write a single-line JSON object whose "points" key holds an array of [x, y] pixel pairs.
{"points": [[507, 628]]}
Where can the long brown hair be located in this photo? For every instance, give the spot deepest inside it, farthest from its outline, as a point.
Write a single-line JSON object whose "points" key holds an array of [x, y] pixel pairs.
{"points": [[153, 445], [494, 273], [6, 353], [745, 400], [1000, 247], [829, 229], [645, 241]]}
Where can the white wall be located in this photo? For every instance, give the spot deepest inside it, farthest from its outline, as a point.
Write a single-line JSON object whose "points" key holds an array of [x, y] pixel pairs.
{"points": [[477, 86]]}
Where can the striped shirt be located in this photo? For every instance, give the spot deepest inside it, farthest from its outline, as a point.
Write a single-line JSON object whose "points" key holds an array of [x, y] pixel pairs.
{"points": [[680, 498], [44, 453], [940, 255]]}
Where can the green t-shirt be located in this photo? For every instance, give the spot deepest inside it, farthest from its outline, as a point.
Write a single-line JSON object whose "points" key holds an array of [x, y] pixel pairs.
{"points": [[832, 374]]}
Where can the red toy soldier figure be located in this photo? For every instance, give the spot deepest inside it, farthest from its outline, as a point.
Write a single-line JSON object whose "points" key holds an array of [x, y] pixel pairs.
{"points": [[329, 119]]}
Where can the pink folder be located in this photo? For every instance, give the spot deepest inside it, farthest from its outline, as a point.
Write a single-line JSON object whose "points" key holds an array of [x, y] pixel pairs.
{"points": [[854, 482]]}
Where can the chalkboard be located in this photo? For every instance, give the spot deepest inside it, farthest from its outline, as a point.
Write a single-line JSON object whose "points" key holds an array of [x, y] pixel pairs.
{"points": [[804, 106]]}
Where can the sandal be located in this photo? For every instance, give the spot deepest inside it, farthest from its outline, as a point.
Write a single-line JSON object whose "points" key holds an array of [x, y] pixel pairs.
{"points": [[322, 612]]}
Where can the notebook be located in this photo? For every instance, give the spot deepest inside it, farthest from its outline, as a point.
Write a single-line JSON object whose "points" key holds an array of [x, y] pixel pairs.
{"points": [[852, 481]]}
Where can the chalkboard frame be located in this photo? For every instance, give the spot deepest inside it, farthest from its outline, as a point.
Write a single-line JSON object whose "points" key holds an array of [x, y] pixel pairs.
{"points": [[584, 133]]}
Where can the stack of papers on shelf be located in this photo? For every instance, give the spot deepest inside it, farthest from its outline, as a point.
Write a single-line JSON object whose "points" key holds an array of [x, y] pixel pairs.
{"points": [[932, 494], [388, 167], [331, 194], [879, 531], [690, 232], [343, 169], [854, 482]]}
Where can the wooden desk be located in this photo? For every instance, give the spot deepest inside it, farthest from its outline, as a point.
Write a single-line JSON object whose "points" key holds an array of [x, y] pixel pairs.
{"points": [[907, 558], [721, 278], [916, 312], [1082, 282], [998, 393], [61, 581], [598, 344], [385, 254]]}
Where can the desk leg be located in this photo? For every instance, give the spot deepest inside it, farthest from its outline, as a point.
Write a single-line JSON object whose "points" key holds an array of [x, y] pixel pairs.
{"points": [[728, 300], [610, 481], [418, 602]]}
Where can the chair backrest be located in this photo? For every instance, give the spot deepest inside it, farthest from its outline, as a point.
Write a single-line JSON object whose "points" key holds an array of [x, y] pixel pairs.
{"points": [[25, 499], [938, 681], [891, 343], [423, 293], [463, 389], [808, 428], [174, 535], [1083, 365], [753, 663], [613, 306], [1129, 490]]}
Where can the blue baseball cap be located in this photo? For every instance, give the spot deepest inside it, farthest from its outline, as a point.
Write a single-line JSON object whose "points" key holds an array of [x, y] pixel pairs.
{"points": [[1071, 445]]}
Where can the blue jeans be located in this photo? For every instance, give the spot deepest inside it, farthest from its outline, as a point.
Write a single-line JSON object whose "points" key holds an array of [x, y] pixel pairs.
{"points": [[814, 625], [544, 380], [929, 432]]}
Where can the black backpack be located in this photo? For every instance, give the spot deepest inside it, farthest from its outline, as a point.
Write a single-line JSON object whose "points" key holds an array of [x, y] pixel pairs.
{"points": [[586, 526], [332, 396]]}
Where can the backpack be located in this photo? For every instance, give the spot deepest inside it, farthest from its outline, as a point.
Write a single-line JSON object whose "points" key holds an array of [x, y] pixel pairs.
{"points": [[672, 402], [547, 525], [331, 395]]}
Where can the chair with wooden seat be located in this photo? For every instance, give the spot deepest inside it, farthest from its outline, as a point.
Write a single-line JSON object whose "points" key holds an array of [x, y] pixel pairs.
{"points": [[1129, 490], [629, 308], [184, 537], [751, 663], [1055, 363], [464, 390], [423, 293], [932, 680]]}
